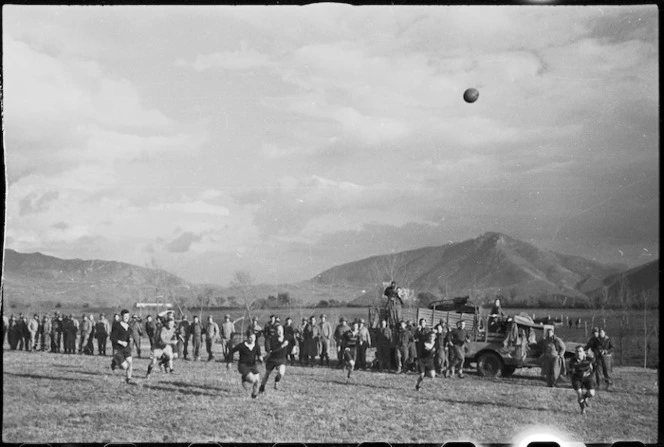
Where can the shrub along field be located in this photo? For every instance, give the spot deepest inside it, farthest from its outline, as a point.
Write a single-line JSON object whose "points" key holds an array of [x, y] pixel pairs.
{"points": [[60, 398]]}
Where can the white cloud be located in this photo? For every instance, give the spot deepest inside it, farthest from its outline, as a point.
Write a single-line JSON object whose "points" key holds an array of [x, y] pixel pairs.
{"points": [[231, 60], [196, 207]]}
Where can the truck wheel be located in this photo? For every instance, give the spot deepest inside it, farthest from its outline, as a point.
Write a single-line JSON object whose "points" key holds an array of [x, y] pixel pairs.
{"points": [[489, 364], [508, 370]]}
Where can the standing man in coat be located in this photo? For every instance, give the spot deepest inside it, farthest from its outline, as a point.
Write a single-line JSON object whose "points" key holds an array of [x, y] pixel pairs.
{"points": [[311, 335], [56, 332], [196, 332], [325, 330], [384, 347], [211, 335], [102, 330], [364, 344], [45, 333], [183, 333], [150, 330], [552, 359], [339, 332], [136, 333], [33, 331], [86, 330], [602, 348], [227, 331], [404, 338]]}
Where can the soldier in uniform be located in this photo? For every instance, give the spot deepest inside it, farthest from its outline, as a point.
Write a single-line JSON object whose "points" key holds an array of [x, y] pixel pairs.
{"points": [[136, 333], [227, 331], [403, 340], [45, 333], [299, 336], [384, 346], [339, 332], [552, 358], [196, 331], [364, 345], [183, 333], [86, 330], [441, 360], [33, 330], [325, 330], [150, 330], [102, 329], [311, 334], [211, 335], [56, 332], [602, 348], [269, 332]]}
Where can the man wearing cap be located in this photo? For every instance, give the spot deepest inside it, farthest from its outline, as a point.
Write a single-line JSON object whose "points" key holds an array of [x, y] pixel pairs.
{"points": [[211, 335], [324, 340], [196, 332], [456, 340], [136, 333], [552, 359], [299, 336], [364, 344], [183, 333], [227, 330], [33, 330], [602, 348], [339, 332], [102, 329], [45, 333], [91, 340]]}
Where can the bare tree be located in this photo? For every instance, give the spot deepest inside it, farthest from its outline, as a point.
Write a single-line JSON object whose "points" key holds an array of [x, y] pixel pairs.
{"points": [[243, 285], [625, 301]]}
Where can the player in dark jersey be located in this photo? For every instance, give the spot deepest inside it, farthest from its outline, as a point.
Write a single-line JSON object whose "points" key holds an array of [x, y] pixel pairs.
{"points": [[581, 372], [121, 340], [427, 358], [276, 358], [350, 343], [250, 353]]}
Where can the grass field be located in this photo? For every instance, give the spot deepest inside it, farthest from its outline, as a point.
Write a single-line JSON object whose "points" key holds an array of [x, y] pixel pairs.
{"points": [[70, 398]]}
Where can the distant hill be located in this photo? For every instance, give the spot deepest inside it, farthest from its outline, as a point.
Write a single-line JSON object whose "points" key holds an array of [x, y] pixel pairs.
{"points": [[632, 284], [35, 277], [30, 278], [492, 264]]}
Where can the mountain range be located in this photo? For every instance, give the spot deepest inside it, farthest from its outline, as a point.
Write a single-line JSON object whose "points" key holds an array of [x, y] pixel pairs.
{"points": [[489, 265]]}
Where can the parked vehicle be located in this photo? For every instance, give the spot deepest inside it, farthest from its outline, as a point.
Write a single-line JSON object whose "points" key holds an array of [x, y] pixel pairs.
{"points": [[498, 345]]}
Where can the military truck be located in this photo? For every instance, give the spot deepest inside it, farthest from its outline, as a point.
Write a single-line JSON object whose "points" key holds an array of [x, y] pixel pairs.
{"points": [[498, 344]]}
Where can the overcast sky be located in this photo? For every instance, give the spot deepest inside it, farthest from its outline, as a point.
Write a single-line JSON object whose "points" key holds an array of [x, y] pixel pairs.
{"points": [[287, 140]]}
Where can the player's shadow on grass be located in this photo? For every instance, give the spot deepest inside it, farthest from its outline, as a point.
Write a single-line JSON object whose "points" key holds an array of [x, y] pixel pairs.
{"points": [[89, 373], [189, 392], [35, 376], [494, 404], [193, 385]]}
